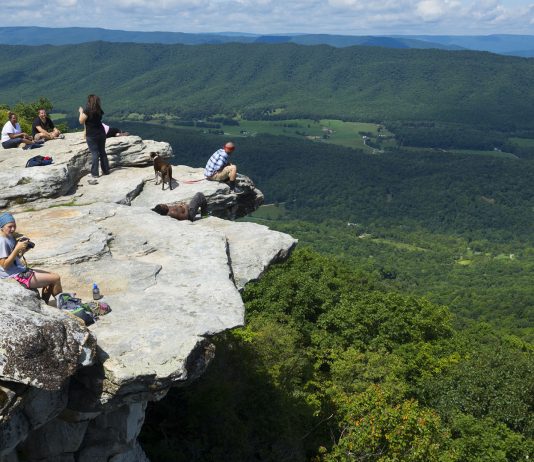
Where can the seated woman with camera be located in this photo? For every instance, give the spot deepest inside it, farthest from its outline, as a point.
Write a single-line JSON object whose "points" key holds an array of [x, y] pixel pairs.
{"points": [[11, 265]]}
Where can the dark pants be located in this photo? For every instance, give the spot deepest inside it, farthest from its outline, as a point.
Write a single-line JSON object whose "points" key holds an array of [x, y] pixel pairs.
{"points": [[97, 146], [11, 143], [198, 201]]}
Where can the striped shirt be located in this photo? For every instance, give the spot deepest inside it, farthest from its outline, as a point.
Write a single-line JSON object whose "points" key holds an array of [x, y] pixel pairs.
{"points": [[217, 161]]}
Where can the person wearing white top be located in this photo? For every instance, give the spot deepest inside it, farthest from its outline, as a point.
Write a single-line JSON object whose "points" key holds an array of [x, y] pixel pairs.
{"points": [[12, 134]]}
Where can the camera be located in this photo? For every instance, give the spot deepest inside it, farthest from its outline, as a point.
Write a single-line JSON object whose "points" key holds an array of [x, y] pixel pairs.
{"points": [[31, 244]]}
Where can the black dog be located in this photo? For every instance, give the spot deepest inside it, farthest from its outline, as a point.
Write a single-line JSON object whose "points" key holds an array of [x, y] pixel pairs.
{"points": [[162, 169]]}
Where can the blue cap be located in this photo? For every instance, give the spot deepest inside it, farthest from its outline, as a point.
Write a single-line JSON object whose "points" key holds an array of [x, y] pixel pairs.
{"points": [[6, 218]]}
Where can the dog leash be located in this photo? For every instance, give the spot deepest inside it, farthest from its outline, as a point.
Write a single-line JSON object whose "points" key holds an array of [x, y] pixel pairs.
{"points": [[191, 181]]}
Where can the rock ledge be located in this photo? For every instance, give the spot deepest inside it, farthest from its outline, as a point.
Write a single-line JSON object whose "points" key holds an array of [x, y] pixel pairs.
{"points": [[71, 393]]}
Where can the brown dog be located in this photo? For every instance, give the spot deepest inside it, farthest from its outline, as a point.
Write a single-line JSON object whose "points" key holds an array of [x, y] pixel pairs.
{"points": [[162, 169]]}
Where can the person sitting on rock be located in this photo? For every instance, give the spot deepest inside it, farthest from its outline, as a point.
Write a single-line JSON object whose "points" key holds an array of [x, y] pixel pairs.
{"points": [[183, 211], [111, 132], [44, 129], [11, 261], [13, 136], [219, 167]]}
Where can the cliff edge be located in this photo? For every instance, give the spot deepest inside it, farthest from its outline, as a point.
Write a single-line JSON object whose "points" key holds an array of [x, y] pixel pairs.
{"points": [[72, 393]]}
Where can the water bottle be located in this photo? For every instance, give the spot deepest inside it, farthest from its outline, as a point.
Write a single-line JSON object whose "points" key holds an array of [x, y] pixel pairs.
{"points": [[96, 292]]}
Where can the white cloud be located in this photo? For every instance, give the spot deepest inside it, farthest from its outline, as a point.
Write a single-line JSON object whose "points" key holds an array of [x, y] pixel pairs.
{"points": [[430, 10], [66, 3], [157, 5], [349, 17]]}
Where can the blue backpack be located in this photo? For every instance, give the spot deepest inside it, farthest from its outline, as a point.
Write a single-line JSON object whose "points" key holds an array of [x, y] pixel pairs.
{"points": [[37, 161]]}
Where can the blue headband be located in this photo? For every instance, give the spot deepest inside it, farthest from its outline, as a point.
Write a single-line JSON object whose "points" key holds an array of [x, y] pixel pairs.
{"points": [[6, 218]]}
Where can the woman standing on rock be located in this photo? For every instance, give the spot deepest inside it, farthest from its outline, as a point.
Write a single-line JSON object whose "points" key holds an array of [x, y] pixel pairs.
{"points": [[11, 266], [95, 135]]}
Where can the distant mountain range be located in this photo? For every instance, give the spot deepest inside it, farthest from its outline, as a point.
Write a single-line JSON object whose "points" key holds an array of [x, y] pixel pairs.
{"points": [[514, 45], [264, 80]]}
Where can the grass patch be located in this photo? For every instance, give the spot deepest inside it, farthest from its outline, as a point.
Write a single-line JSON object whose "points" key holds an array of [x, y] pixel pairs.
{"points": [[464, 262], [269, 212], [461, 152], [523, 142], [399, 245]]}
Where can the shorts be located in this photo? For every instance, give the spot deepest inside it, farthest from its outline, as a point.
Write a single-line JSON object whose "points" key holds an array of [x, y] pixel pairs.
{"points": [[223, 175], [24, 278]]}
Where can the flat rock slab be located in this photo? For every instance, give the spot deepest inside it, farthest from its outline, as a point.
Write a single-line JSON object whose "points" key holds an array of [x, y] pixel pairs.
{"points": [[170, 283], [182, 191], [244, 240]]}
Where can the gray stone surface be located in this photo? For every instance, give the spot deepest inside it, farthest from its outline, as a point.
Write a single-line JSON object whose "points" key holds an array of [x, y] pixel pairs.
{"points": [[221, 201], [156, 282], [244, 239], [53, 440], [39, 346], [113, 433], [68, 392], [20, 185]]}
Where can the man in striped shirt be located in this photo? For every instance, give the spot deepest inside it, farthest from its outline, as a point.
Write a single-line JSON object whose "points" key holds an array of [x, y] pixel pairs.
{"points": [[219, 167]]}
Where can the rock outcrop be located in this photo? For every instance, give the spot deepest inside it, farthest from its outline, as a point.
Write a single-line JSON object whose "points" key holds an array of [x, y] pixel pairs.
{"points": [[68, 392]]}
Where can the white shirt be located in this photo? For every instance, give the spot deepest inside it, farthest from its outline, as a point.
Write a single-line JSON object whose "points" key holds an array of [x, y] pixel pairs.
{"points": [[8, 128]]}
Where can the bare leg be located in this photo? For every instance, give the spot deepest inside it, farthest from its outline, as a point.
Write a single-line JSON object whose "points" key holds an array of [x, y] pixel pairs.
{"points": [[232, 174], [50, 282], [26, 142], [43, 136]]}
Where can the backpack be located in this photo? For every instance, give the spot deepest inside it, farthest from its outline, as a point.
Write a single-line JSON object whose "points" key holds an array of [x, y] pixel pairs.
{"points": [[38, 161], [68, 302]]}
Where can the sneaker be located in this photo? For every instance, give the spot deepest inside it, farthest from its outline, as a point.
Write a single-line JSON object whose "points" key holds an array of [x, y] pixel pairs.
{"points": [[61, 137], [93, 181]]}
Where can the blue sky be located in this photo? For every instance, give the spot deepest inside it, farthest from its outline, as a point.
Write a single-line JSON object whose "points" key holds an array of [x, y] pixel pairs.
{"points": [[345, 17]]}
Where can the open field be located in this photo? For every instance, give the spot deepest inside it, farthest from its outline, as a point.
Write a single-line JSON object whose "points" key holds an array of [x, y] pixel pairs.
{"points": [[268, 212], [347, 134], [462, 152], [369, 137], [523, 142]]}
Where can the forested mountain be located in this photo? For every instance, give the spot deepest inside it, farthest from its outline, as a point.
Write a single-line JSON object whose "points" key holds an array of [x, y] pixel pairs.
{"points": [[285, 80], [516, 45]]}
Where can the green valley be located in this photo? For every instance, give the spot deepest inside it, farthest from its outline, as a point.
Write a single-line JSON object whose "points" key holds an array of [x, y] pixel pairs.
{"points": [[402, 327]]}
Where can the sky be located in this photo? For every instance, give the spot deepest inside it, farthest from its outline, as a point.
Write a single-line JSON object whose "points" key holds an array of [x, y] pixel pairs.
{"points": [[343, 17]]}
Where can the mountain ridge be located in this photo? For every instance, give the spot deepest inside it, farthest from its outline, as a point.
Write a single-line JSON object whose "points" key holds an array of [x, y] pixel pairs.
{"points": [[257, 80], [516, 45]]}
